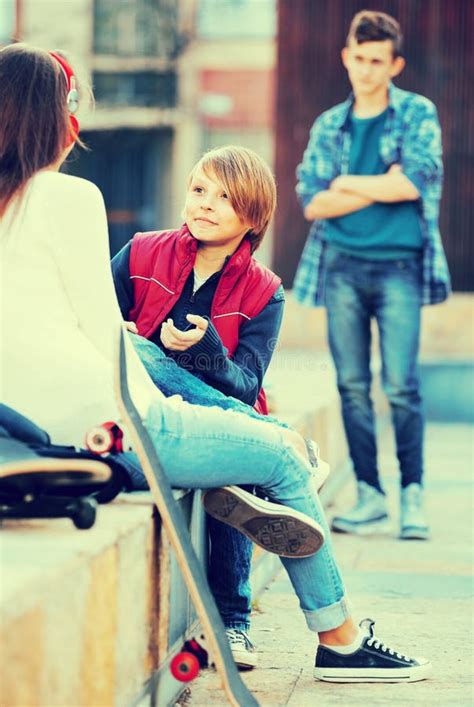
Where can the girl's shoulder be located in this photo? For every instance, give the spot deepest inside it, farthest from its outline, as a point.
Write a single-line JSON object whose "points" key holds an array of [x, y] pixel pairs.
{"points": [[65, 189]]}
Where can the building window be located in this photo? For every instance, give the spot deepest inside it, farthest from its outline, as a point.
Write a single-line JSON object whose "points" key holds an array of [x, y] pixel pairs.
{"points": [[136, 28], [7, 21], [217, 19], [141, 88]]}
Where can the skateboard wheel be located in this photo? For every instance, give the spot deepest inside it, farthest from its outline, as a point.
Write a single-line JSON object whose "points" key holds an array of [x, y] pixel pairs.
{"points": [[104, 438], [84, 513], [99, 440], [184, 667]]}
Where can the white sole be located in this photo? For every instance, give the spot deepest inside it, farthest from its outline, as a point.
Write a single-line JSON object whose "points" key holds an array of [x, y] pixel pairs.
{"points": [[415, 534], [244, 660], [381, 527], [354, 675], [276, 528]]}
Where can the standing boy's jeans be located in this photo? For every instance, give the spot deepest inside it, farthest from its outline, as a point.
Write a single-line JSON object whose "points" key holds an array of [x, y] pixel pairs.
{"points": [[389, 291], [208, 448], [231, 552]]}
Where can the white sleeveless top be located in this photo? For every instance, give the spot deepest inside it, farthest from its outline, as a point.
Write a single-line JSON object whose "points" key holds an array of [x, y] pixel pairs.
{"points": [[59, 317]]}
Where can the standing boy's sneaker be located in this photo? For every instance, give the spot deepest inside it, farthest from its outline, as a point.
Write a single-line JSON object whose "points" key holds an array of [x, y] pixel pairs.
{"points": [[368, 660], [276, 528], [413, 523], [368, 516], [242, 648]]}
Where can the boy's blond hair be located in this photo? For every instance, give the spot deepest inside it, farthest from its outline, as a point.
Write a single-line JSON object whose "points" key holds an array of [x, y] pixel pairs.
{"points": [[249, 183]]}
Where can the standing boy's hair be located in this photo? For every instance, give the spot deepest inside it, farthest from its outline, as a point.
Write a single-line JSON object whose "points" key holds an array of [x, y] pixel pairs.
{"points": [[249, 183], [372, 26]]}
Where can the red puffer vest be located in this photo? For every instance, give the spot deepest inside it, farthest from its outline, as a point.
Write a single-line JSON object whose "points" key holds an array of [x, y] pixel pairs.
{"points": [[160, 263]]}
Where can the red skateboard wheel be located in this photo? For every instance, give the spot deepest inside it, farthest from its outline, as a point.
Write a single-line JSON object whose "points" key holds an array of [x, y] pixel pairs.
{"points": [[104, 438], [184, 667]]}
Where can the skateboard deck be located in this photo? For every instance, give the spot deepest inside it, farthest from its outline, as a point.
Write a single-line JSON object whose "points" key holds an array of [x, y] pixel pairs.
{"points": [[174, 524], [33, 486]]}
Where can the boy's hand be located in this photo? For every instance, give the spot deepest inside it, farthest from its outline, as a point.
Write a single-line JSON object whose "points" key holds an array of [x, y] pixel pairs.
{"points": [[131, 326], [176, 398], [395, 169], [339, 183], [176, 340]]}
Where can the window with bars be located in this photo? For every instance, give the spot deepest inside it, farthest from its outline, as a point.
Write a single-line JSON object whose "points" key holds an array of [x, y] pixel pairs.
{"points": [[140, 88], [147, 28], [8, 21], [247, 19]]}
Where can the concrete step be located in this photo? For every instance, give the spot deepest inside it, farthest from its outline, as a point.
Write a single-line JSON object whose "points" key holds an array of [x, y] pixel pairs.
{"points": [[92, 617], [85, 615]]}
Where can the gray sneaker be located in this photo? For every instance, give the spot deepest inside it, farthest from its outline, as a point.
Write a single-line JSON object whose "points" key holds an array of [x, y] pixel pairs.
{"points": [[369, 515], [242, 648], [413, 523]]}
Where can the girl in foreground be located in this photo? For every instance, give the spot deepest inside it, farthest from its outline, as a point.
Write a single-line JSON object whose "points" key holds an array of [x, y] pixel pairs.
{"points": [[60, 320]]}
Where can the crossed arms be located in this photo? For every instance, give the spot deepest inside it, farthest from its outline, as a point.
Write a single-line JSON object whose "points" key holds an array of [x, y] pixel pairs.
{"points": [[324, 194], [348, 193]]}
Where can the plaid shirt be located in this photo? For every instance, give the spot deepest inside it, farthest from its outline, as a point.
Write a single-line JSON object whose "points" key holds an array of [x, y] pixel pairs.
{"points": [[411, 138]]}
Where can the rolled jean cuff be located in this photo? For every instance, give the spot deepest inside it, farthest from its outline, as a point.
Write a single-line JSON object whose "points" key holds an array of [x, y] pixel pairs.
{"points": [[329, 617]]}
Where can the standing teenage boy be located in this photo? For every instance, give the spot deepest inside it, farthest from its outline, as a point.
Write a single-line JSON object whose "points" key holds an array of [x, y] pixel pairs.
{"points": [[370, 180]]}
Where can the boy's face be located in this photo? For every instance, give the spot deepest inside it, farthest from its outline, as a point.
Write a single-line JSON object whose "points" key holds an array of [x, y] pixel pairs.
{"points": [[371, 66], [209, 214]]}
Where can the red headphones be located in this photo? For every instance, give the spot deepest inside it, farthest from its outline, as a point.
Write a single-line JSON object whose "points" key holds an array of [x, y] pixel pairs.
{"points": [[72, 100]]}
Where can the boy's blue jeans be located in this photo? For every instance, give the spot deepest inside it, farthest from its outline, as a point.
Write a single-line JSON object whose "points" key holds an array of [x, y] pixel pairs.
{"points": [[208, 447], [231, 552], [358, 290]]}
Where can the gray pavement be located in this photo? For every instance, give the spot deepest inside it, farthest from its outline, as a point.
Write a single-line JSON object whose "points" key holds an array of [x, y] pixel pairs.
{"points": [[419, 593]]}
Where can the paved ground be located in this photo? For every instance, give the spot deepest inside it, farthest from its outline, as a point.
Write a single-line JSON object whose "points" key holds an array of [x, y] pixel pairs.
{"points": [[419, 593]]}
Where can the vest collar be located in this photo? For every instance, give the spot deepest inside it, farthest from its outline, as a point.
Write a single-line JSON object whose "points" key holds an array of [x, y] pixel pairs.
{"points": [[187, 246]]}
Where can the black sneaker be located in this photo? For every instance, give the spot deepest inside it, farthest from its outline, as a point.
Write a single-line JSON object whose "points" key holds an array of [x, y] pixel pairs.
{"points": [[372, 661], [276, 528], [243, 650]]}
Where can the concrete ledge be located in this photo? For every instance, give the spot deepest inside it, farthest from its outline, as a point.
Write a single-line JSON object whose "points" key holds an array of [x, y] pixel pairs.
{"points": [[447, 385], [447, 328], [87, 617], [303, 384], [92, 617]]}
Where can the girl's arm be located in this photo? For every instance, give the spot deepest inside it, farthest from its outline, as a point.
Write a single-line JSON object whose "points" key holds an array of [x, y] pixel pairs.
{"points": [[82, 249], [82, 253]]}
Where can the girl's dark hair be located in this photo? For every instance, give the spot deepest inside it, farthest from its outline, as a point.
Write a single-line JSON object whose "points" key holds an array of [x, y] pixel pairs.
{"points": [[34, 120], [372, 26]]}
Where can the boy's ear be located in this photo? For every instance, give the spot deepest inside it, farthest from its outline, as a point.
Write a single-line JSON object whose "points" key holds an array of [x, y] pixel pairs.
{"points": [[344, 56], [398, 65]]}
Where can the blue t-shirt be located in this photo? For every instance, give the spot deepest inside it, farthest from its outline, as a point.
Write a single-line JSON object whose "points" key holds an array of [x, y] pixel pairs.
{"points": [[381, 230]]}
